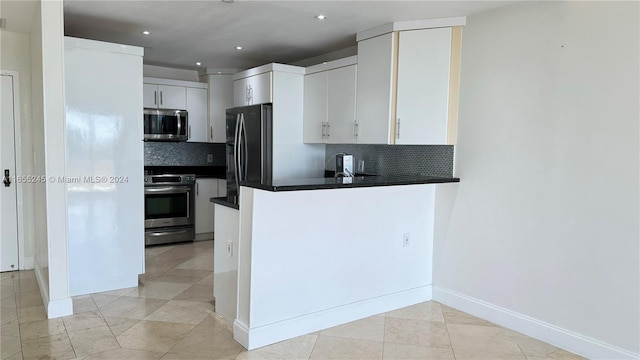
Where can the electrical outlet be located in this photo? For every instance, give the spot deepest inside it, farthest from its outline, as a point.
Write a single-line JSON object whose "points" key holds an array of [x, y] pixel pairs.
{"points": [[209, 158], [405, 239], [230, 248]]}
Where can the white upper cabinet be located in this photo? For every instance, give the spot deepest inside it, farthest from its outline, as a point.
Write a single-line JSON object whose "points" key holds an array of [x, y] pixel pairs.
{"points": [[408, 87], [220, 99], [315, 108], [375, 95], [164, 96], [330, 102], [251, 90], [341, 105], [197, 112], [422, 108]]}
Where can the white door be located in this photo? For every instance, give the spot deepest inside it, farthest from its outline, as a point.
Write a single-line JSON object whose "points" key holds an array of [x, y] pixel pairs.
{"points": [[314, 120], [424, 58], [150, 96], [172, 97], [8, 213], [205, 190], [260, 89], [342, 105], [241, 92], [197, 109]]}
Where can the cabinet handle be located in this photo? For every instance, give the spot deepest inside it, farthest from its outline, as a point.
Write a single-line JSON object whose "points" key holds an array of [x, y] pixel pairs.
{"points": [[189, 136], [328, 130], [246, 93], [155, 98], [160, 97], [355, 129], [324, 134], [197, 189], [398, 129], [211, 132], [251, 94]]}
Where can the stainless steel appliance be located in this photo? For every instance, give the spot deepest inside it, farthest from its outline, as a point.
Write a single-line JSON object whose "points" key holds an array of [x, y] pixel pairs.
{"points": [[249, 146], [166, 125], [169, 208]]}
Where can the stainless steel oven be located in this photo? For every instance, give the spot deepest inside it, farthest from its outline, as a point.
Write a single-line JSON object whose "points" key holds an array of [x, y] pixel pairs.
{"points": [[169, 206]]}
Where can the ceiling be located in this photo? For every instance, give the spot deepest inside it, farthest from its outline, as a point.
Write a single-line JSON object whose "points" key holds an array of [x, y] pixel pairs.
{"points": [[183, 32]]}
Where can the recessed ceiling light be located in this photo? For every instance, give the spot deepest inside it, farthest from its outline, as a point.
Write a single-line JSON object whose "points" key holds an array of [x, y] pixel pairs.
{"points": [[145, 32], [320, 17], [238, 47], [219, 72], [198, 63]]}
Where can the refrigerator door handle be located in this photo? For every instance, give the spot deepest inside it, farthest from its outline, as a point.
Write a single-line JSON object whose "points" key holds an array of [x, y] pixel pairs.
{"points": [[244, 152], [236, 149]]}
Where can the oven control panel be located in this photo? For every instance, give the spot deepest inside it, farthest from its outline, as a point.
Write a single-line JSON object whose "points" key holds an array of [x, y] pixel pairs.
{"points": [[169, 179]]}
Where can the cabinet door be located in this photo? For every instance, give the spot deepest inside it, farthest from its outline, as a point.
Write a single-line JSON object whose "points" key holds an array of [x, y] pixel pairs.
{"points": [[241, 92], [205, 189], [374, 99], [341, 105], [220, 99], [315, 108], [424, 58], [150, 96], [222, 187], [197, 110], [172, 97], [260, 89]]}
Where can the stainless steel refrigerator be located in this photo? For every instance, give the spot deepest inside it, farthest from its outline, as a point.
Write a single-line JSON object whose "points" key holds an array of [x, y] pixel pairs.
{"points": [[249, 146]]}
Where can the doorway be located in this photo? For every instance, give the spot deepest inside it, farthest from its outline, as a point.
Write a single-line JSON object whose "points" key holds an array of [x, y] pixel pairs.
{"points": [[8, 189]]}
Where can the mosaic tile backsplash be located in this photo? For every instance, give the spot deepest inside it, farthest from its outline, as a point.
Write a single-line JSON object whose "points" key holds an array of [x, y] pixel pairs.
{"points": [[159, 153], [432, 160]]}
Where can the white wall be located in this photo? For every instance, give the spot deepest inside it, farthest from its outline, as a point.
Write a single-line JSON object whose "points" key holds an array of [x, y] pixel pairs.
{"points": [[544, 222], [41, 263], [16, 56], [59, 303], [169, 73]]}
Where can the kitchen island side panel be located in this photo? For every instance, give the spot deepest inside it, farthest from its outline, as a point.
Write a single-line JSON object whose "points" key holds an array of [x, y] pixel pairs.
{"points": [[315, 259]]}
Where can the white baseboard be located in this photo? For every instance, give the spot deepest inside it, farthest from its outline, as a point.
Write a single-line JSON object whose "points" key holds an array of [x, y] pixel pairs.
{"points": [[59, 307], [27, 263], [42, 283], [252, 338], [54, 308], [554, 335]]}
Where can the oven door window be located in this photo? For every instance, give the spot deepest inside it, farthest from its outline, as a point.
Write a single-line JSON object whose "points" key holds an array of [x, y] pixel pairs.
{"points": [[162, 206]]}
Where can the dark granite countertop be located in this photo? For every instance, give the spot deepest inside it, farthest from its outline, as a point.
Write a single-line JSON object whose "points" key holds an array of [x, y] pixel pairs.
{"points": [[225, 201], [340, 183]]}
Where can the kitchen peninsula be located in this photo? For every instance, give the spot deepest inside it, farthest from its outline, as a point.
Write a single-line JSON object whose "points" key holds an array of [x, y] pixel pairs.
{"points": [[314, 253]]}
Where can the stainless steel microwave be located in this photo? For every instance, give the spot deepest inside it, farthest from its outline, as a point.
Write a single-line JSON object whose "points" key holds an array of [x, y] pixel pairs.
{"points": [[166, 125]]}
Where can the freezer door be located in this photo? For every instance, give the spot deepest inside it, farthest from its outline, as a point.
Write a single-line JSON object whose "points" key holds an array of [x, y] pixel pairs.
{"points": [[255, 143]]}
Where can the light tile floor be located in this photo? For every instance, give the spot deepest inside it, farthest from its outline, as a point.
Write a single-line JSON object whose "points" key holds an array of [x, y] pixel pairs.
{"points": [[170, 316]]}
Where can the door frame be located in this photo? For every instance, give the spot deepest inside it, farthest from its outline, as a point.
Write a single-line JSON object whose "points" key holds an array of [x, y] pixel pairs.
{"points": [[17, 154]]}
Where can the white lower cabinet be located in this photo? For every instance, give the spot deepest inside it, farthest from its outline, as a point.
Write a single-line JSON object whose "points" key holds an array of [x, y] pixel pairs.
{"points": [[205, 189]]}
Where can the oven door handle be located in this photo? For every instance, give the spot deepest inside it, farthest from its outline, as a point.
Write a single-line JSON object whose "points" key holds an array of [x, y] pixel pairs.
{"points": [[164, 233], [167, 190]]}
